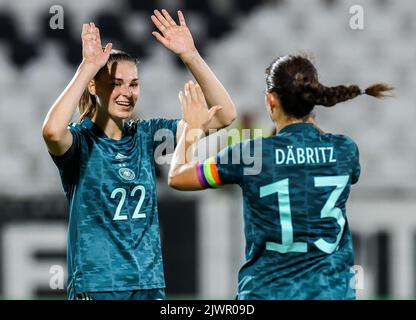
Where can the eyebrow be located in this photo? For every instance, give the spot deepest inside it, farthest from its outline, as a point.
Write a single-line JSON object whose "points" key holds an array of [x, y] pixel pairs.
{"points": [[119, 79]]}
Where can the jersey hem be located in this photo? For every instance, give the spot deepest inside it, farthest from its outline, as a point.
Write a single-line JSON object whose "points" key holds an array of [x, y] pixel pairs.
{"points": [[124, 288]]}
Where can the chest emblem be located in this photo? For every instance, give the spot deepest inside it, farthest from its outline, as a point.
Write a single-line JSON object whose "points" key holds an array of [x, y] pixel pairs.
{"points": [[126, 174]]}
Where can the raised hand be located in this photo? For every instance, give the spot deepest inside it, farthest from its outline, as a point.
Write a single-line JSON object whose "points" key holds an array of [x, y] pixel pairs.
{"points": [[176, 38], [195, 111], [92, 51]]}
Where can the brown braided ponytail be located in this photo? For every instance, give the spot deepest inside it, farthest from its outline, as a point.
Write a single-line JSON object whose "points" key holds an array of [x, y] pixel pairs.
{"points": [[295, 80]]}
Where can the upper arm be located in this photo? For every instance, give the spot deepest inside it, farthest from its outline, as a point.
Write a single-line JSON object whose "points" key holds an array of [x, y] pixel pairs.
{"points": [[164, 130], [186, 179], [214, 172], [197, 176], [68, 161], [58, 147]]}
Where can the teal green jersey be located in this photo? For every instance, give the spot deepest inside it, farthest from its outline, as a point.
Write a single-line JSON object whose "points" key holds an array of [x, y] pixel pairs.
{"points": [[295, 187], [113, 236]]}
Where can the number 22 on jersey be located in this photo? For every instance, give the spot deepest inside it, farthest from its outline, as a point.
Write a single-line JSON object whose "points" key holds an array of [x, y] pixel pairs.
{"points": [[123, 192]]}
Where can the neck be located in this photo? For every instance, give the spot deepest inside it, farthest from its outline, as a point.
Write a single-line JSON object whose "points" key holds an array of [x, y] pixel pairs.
{"points": [[113, 128], [285, 121]]}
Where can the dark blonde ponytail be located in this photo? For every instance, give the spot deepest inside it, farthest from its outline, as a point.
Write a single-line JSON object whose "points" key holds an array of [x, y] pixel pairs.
{"points": [[87, 105]]}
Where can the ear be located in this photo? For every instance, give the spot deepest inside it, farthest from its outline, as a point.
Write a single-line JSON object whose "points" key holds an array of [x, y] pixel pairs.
{"points": [[91, 87], [273, 101]]}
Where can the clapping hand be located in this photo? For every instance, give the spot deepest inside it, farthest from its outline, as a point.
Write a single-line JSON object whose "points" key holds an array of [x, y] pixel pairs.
{"points": [[92, 51], [176, 38], [195, 111]]}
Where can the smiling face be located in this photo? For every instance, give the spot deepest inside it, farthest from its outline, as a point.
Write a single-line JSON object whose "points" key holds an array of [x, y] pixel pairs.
{"points": [[117, 89]]}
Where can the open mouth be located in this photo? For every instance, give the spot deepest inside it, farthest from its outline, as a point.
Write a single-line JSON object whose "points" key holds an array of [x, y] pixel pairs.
{"points": [[124, 103]]}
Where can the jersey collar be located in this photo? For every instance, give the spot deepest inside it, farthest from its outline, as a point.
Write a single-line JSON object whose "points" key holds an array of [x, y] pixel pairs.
{"points": [[297, 127], [89, 124]]}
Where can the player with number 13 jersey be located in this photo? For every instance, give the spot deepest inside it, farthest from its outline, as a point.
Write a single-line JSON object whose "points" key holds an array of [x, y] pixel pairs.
{"points": [[298, 242]]}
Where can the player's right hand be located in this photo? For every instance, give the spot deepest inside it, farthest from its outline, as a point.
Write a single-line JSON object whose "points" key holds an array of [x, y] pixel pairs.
{"points": [[92, 51], [176, 38], [195, 111]]}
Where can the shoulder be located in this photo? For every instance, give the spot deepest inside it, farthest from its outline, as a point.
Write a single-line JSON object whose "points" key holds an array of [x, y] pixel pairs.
{"points": [[275, 141], [341, 138], [343, 143], [252, 143], [158, 123], [75, 126], [132, 125], [78, 129], [161, 120], [81, 130], [246, 147]]}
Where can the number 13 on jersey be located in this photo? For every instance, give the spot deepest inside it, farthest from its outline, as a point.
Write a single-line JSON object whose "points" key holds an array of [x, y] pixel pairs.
{"points": [[329, 210]]}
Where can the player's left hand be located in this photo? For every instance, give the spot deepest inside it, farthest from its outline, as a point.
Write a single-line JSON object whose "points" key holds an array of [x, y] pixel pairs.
{"points": [[195, 110], [176, 38]]}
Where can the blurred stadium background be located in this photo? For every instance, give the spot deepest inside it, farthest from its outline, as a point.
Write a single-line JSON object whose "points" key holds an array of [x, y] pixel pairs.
{"points": [[203, 232]]}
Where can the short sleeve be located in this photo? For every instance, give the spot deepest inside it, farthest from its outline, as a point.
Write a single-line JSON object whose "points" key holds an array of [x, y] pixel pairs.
{"points": [[356, 167], [224, 168], [163, 130], [73, 151], [229, 162]]}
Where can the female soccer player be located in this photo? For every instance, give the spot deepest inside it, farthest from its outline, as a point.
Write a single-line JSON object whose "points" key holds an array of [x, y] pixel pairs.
{"points": [[298, 243], [107, 165]]}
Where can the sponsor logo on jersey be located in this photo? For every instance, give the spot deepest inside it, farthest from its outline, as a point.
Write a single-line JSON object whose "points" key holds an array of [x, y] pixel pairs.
{"points": [[120, 156], [126, 174]]}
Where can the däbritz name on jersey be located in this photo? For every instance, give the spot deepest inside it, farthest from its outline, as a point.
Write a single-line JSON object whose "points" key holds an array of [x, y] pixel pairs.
{"points": [[307, 155]]}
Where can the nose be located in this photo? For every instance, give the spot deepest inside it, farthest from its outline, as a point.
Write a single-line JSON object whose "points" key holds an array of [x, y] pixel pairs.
{"points": [[126, 90]]}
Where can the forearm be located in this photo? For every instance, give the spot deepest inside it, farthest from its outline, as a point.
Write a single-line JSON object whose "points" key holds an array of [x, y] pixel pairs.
{"points": [[61, 112], [214, 91], [183, 157]]}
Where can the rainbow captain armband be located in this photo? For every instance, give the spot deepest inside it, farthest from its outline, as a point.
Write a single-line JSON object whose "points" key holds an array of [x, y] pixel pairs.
{"points": [[207, 173]]}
